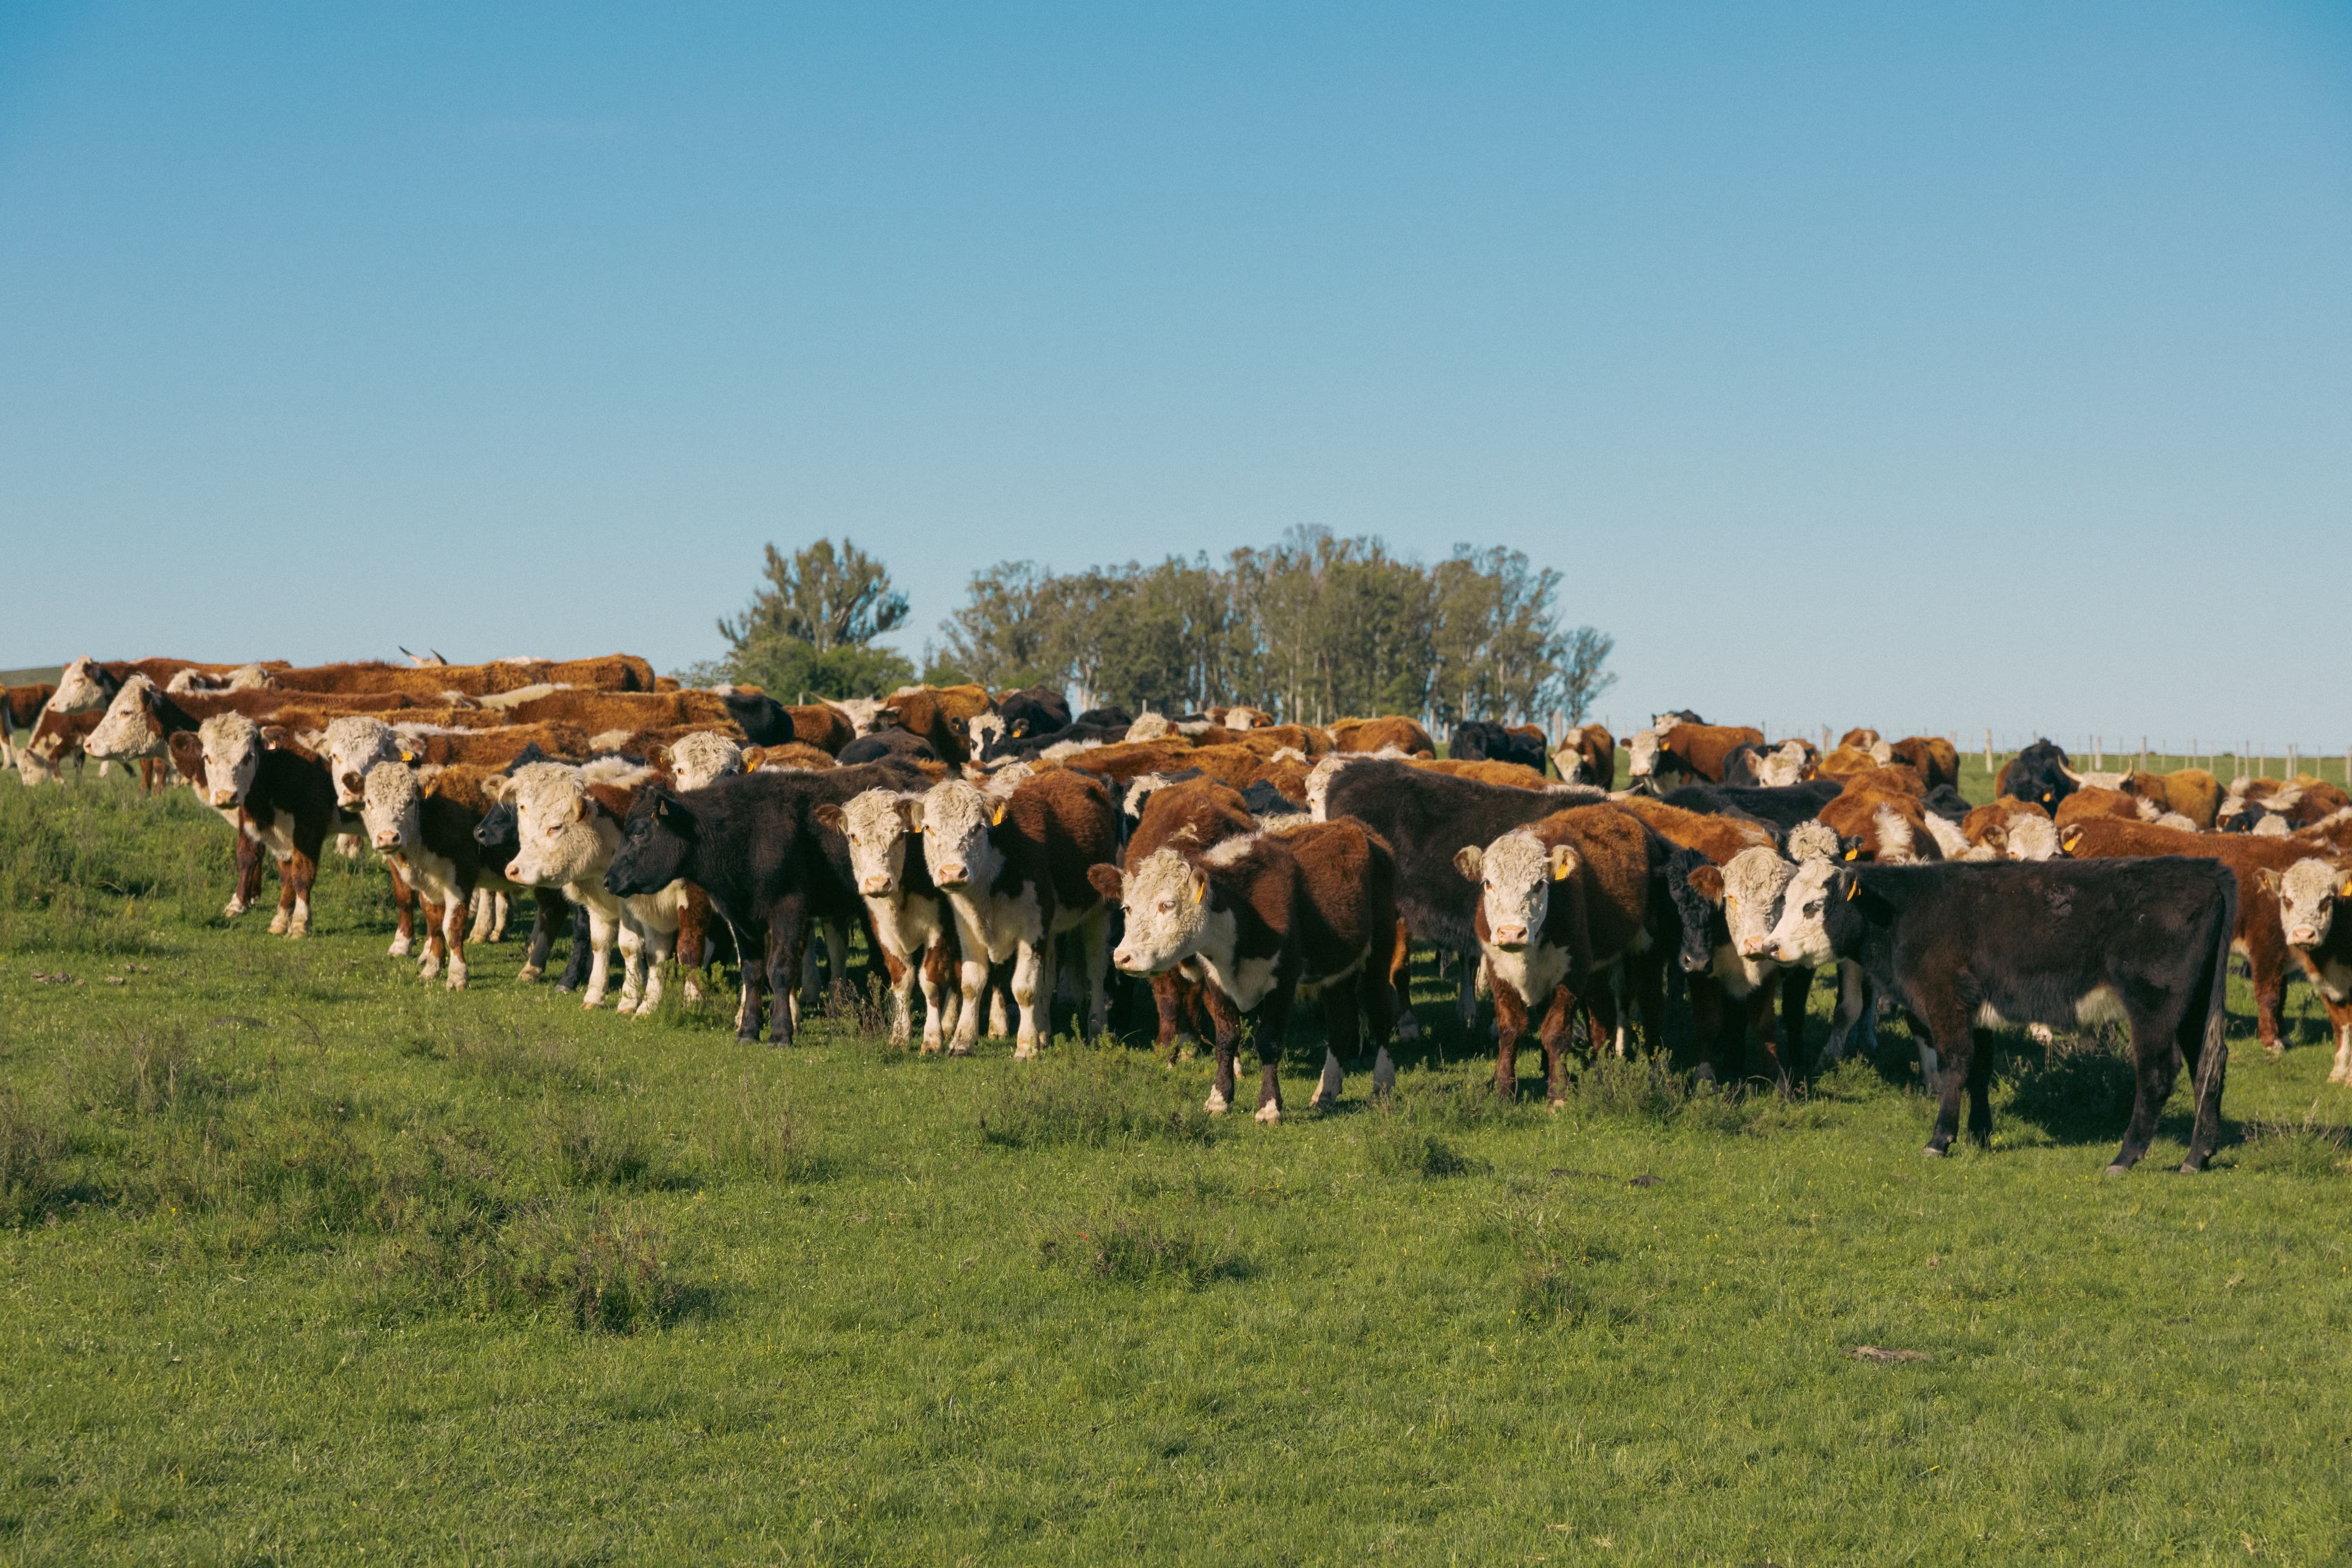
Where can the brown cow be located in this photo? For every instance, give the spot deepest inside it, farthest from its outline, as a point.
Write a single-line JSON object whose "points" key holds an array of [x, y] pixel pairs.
{"points": [[2091, 801], [55, 739], [425, 830], [1380, 734], [792, 755], [87, 683], [1678, 752], [1894, 778], [1519, 775], [597, 712], [1586, 755], [267, 787], [913, 925], [1882, 826], [821, 725], [2191, 793], [2012, 829], [2259, 934], [20, 708], [1936, 758], [613, 673], [1191, 815], [1861, 739], [1260, 915], [1561, 900], [940, 715]]}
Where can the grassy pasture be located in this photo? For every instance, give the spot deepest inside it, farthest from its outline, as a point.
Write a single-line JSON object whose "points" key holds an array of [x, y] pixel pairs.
{"points": [[306, 1261]]}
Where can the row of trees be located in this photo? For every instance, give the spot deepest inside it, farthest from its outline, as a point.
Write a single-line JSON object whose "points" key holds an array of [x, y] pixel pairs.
{"points": [[1315, 628]]}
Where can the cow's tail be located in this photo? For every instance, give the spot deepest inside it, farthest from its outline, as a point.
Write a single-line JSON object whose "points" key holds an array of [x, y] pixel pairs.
{"points": [[2214, 1055]]}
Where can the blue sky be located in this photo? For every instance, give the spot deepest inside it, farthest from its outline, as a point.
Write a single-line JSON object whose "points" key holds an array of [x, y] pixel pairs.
{"points": [[1920, 366]]}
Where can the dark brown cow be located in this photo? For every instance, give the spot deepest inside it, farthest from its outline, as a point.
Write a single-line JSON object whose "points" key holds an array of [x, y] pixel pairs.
{"points": [[1678, 752], [940, 715], [1936, 758], [1191, 815], [1561, 900], [1380, 735], [820, 725], [267, 787], [1588, 755]]}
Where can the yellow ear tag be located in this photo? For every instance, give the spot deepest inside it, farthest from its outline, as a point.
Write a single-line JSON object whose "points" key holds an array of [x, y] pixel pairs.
{"points": [[1853, 854], [1560, 873], [1200, 890], [998, 820], [406, 756], [2346, 890], [1851, 889]]}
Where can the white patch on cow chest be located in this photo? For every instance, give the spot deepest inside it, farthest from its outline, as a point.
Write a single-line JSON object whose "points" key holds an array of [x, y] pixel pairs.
{"points": [[1740, 976], [1990, 1017], [2336, 980], [1004, 923], [2100, 1005], [1534, 972]]}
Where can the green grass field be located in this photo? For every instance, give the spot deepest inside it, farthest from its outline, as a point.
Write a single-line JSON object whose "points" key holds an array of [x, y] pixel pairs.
{"points": [[305, 1261]]}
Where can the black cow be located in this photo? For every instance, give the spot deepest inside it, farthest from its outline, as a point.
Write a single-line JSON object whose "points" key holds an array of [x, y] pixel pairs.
{"points": [[2038, 773], [1004, 748], [1948, 802], [1263, 800], [1483, 740], [1034, 710], [885, 744], [1427, 817], [752, 842], [1108, 719], [765, 721], [1971, 946], [1783, 806]]}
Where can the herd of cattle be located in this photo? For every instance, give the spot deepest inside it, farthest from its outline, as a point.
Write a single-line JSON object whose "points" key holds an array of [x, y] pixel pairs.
{"points": [[988, 845]]}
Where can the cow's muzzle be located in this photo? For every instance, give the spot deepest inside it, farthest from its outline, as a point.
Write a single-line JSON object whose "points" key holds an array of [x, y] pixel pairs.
{"points": [[1755, 948], [876, 886], [223, 797], [2303, 936], [951, 876], [1510, 939], [387, 839]]}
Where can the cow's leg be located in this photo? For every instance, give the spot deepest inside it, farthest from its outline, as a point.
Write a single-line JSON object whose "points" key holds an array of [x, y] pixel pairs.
{"points": [[901, 977], [2210, 1061], [937, 970], [1708, 1009], [1273, 1032], [1376, 1004], [248, 891], [693, 914], [2339, 1023], [404, 912], [1759, 1011], [550, 905], [1856, 1029], [284, 914], [1472, 971], [1339, 1002], [1556, 1031], [1408, 1025], [1094, 960], [502, 910], [1225, 1029], [454, 923], [1981, 1055], [1510, 1023], [600, 956], [477, 909], [787, 940], [750, 971], [2156, 1059], [1948, 1026], [304, 865], [657, 946], [999, 1011], [1167, 997], [1033, 990], [974, 978], [2269, 996], [1795, 985], [633, 961]]}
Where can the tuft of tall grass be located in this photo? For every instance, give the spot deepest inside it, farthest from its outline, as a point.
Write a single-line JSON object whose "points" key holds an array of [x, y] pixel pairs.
{"points": [[764, 1140], [32, 1150], [1092, 1096], [1135, 1249]]}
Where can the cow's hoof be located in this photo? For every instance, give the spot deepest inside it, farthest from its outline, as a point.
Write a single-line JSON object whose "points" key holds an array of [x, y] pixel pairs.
{"points": [[1557, 1103], [1025, 1051], [1270, 1113], [1931, 1152], [529, 974], [457, 980], [960, 1048], [1323, 1103], [399, 948], [1215, 1104], [278, 926], [2119, 1169], [693, 992], [232, 909], [1703, 1074]]}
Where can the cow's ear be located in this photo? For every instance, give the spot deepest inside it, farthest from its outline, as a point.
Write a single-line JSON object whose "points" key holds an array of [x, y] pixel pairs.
{"points": [[587, 807], [1471, 861], [186, 743], [2267, 880], [753, 757], [2068, 840], [2346, 890], [1200, 887], [1707, 881], [1107, 881], [275, 737], [910, 812], [1850, 846], [494, 788], [408, 756], [1563, 862], [996, 817], [830, 816]]}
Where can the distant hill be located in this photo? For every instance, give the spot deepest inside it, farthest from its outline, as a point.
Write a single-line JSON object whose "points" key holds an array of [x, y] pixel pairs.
{"points": [[31, 676]]}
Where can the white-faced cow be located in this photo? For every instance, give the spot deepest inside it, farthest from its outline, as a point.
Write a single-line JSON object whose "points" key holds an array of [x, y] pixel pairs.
{"points": [[911, 917]]}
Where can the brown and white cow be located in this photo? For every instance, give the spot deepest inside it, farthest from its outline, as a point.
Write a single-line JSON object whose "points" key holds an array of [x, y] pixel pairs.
{"points": [[426, 833], [2308, 892], [2010, 829], [1882, 826], [20, 709], [1380, 735], [567, 822], [1015, 872], [1562, 901], [913, 922], [2191, 793], [1676, 751], [1936, 758], [272, 792], [1261, 916], [1586, 755]]}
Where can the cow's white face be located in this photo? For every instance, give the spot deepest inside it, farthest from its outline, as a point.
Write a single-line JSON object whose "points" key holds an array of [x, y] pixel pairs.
{"points": [[702, 757], [1754, 884], [1645, 754], [128, 730], [393, 807], [1514, 875], [984, 730], [232, 751], [1167, 904], [1801, 939], [1783, 767], [1318, 785], [555, 824], [2307, 895], [877, 824], [80, 689], [355, 744], [39, 759], [250, 678], [864, 713], [2031, 837], [956, 818]]}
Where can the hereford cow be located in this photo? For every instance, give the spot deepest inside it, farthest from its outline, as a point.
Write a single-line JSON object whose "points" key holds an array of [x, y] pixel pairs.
{"points": [[1261, 914], [1936, 758], [2294, 803], [613, 672], [1560, 904], [426, 832], [568, 823], [940, 715], [911, 917], [56, 737], [1014, 869], [2090, 801], [1190, 814], [1789, 762], [87, 683], [273, 792], [1967, 948], [20, 709], [1882, 827], [1586, 755], [1677, 752], [2191, 793], [2307, 894], [597, 712], [2012, 830], [1380, 734], [2258, 935]]}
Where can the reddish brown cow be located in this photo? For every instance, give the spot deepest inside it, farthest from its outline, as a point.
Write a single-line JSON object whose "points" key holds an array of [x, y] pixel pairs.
{"points": [[1588, 755], [1380, 735], [1678, 752], [1935, 759], [940, 715], [1883, 827], [824, 727], [1192, 816], [2091, 801], [613, 673], [599, 712], [269, 788], [2191, 793], [1519, 775]]}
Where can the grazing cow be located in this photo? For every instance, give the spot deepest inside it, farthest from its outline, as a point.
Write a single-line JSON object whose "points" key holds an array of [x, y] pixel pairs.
{"points": [[568, 824], [1967, 948], [2307, 894], [1587, 756], [1783, 807], [426, 833], [753, 843], [2038, 773], [268, 791], [1678, 752], [2191, 793], [912, 922], [1483, 740], [1559, 903], [1936, 758], [1380, 734], [20, 708], [2012, 830], [55, 739], [2259, 934], [1014, 869], [1259, 915], [1789, 762], [1425, 817]]}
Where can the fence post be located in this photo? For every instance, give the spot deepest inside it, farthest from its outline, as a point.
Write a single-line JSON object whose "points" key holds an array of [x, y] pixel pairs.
{"points": [[1989, 750]]}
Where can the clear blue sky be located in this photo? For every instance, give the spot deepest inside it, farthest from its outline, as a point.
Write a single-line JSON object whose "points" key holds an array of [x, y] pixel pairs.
{"points": [[1917, 365]]}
